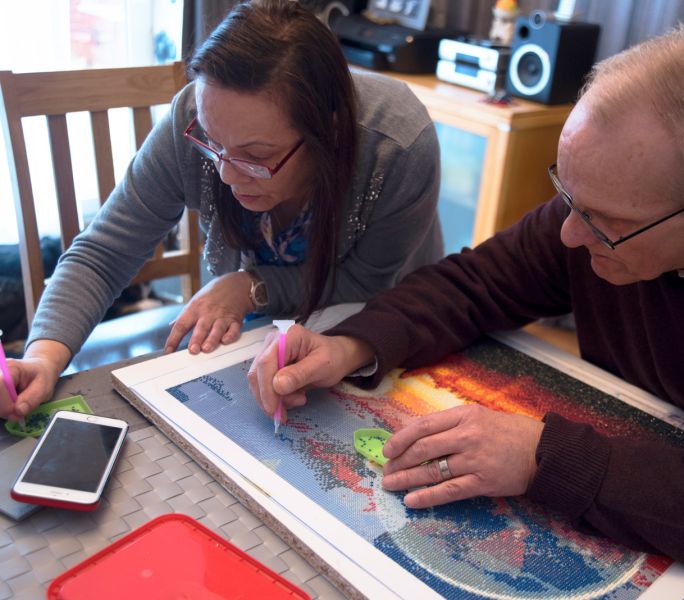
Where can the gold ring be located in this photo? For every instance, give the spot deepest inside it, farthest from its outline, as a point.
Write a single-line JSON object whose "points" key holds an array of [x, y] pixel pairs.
{"points": [[444, 469]]}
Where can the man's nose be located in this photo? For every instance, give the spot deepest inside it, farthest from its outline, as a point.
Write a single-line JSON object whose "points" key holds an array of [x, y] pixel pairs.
{"points": [[575, 233]]}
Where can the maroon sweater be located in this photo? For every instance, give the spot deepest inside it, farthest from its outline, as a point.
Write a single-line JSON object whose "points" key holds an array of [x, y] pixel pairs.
{"points": [[632, 492]]}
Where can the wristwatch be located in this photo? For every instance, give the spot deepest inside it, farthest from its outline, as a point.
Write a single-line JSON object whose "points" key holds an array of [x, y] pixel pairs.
{"points": [[257, 291]]}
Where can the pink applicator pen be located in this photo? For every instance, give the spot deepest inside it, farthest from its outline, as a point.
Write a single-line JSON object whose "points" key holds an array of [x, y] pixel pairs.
{"points": [[283, 325], [7, 380]]}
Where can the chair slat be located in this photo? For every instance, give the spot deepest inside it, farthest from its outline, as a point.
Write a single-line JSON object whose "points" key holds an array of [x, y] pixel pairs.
{"points": [[189, 239], [142, 125], [54, 95], [104, 161], [59, 92], [32, 271], [64, 178], [155, 268], [159, 251]]}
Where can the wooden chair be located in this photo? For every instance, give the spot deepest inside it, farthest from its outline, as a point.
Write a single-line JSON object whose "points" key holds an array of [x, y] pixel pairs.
{"points": [[54, 94]]}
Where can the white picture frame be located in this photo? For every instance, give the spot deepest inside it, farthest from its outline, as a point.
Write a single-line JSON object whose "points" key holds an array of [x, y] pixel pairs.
{"points": [[355, 565]]}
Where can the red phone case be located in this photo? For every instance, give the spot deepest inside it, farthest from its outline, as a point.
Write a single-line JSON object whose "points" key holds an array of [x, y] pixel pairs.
{"points": [[55, 503]]}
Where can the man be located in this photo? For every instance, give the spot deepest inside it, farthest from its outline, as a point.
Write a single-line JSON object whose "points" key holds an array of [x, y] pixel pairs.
{"points": [[617, 265]]}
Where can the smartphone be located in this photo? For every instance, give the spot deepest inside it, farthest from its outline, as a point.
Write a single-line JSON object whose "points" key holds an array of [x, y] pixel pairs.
{"points": [[72, 461]]}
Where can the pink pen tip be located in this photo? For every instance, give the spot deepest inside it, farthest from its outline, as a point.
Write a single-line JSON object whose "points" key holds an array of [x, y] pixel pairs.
{"points": [[277, 416]]}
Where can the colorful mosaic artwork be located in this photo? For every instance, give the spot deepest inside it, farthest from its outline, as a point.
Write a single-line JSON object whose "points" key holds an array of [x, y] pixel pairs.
{"points": [[481, 548]]}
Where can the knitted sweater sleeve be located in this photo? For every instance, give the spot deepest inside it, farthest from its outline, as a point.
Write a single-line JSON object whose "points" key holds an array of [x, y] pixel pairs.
{"points": [[103, 259], [515, 277], [629, 491]]}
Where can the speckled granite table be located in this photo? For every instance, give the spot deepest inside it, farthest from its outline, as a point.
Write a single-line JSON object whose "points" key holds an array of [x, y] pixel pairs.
{"points": [[152, 477]]}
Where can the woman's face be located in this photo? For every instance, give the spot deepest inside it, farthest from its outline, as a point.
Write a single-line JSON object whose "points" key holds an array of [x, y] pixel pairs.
{"points": [[254, 127]]}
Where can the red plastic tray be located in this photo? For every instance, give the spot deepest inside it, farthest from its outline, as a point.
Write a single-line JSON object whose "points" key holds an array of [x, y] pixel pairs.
{"points": [[172, 556]]}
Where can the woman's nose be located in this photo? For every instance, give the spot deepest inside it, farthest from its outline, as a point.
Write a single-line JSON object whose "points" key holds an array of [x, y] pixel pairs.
{"points": [[229, 174]]}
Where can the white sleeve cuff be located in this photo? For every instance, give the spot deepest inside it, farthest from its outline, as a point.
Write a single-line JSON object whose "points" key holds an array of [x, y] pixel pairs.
{"points": [[366, 371]]}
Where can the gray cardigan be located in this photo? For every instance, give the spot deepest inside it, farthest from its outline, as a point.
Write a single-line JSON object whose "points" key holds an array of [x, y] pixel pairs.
{"points": [[390, 224]]}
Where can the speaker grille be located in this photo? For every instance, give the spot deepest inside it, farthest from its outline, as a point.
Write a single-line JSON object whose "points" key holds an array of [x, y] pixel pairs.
{"points": [[530, 69], [549, 59]]}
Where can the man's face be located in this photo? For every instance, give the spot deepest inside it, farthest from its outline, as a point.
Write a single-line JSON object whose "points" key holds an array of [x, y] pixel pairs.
{"points": [[623, 177]]}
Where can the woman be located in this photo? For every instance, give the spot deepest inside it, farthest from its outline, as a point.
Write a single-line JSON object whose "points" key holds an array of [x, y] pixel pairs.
{"points": [[314, 187]]}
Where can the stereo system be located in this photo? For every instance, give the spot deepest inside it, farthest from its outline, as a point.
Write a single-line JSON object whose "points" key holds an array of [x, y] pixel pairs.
{"points": [[480, 65], [550, 59], [546, 62], [387, 47]]}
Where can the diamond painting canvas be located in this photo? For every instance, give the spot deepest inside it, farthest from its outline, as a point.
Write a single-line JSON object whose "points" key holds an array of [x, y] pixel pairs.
{"points": [[479, 548]]}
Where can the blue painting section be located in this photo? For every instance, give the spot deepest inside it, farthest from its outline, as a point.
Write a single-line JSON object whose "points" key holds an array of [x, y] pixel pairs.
{"points": [[467, 550]]}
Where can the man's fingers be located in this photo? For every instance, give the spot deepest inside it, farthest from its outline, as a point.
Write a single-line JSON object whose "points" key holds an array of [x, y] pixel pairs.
{"points": [[308, 362], [451, 490], [422, 427], [252, 380], [260, 375], [295, 399], [407, 479], [297, 376], [423, 450]]}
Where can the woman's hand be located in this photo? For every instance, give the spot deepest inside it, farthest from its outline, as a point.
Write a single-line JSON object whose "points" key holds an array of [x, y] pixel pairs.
{"points": [[488, 453], [314, 361], [215, 312], [34, 378]]}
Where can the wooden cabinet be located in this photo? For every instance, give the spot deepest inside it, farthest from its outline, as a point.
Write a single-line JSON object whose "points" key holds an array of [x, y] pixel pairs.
{"points": [[520, 142]]}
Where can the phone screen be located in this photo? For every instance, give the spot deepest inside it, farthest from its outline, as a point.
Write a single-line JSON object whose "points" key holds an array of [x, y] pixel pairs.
{"points": [[74, 455]]}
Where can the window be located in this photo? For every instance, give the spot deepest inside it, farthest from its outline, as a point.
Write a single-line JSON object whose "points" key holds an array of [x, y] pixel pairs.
{"points": [[45, 35]]}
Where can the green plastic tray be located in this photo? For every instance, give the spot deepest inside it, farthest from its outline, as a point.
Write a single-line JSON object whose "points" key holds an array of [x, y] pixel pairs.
{"points": [[370, 442], [37, 419]]}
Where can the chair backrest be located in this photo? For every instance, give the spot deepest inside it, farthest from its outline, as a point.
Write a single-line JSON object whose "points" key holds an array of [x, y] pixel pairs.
{"points": [[54, 95]]}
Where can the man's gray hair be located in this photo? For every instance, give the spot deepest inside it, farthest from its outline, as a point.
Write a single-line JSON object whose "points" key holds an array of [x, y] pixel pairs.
{"points": [[649, 74]]}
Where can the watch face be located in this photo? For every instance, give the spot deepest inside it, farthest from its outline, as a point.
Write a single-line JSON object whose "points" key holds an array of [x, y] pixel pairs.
{"points": [[258, 294]]}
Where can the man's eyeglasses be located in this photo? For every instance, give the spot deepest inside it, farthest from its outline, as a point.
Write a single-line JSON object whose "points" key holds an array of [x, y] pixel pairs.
{"points": [[247, 167], [553, 174]]}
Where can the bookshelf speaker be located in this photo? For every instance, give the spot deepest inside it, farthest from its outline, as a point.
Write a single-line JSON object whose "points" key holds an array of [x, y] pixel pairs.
{"points": [[550, 59]]}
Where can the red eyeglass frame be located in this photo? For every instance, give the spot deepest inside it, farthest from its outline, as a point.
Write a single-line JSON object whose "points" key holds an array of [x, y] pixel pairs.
{"points": [[247, 167]]}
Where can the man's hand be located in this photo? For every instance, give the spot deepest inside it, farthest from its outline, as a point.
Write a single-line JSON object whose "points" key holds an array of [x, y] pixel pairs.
{"points": [[215, 313], [314, 361], [489, 453]]}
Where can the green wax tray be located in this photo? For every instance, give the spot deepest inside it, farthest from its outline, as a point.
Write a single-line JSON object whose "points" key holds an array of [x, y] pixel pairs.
{"points": [[37, 419], [369, 443]]}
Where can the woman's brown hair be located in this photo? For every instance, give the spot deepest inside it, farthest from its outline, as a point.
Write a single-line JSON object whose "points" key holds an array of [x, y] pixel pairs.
{"points": [[280, 47]]}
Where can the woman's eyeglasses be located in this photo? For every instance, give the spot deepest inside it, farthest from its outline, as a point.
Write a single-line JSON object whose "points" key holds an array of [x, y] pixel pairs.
{"points": [[246, 167], [553, 174]]}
